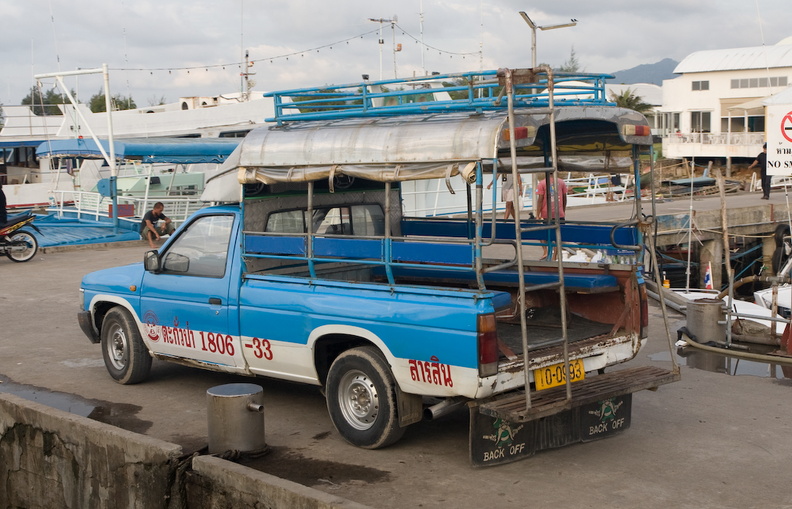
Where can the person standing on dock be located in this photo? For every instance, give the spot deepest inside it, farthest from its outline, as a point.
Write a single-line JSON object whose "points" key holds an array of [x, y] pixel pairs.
{"points": [[557, 194], [761, 161], [509, 194], [148, 226]]}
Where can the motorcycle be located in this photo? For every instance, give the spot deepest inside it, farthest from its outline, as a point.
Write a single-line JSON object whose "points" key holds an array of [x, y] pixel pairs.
{"points": [[17, 244]]}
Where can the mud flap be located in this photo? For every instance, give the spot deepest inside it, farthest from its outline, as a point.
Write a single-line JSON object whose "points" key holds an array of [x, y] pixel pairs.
{"points": [[495, 441]]}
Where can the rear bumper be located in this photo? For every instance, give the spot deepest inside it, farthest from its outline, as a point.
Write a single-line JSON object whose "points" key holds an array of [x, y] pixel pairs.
{"points": [[86, 324], [596, 353]]}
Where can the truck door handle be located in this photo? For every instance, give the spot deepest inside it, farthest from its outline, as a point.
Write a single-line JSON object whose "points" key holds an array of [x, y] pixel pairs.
{"points": [[215, 301]]}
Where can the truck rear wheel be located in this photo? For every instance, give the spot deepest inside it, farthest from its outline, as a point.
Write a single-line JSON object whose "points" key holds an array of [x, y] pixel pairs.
{"points": [[361, 399], [125, 356]]}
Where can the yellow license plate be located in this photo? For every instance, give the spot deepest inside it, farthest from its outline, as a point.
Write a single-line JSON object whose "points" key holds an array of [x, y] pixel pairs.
{"points": [[555, 375]]}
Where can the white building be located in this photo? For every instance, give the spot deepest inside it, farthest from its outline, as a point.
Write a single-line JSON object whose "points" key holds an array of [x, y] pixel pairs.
{"points": [[716, 107]]}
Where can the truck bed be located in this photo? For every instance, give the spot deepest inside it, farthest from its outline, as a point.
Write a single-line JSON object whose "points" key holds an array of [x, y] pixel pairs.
{"points": [[544, 330]]}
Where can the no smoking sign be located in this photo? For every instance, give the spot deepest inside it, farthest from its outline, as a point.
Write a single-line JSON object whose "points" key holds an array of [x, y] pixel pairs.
{"points": [[786, 127], [779, 139]]}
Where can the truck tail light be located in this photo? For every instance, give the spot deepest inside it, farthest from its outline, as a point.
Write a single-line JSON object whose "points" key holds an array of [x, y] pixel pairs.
{"points": [[487, 345], [636, 130], [520, 133]]}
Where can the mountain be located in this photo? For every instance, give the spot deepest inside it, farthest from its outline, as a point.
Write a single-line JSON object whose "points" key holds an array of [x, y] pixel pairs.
{"points": [[647, 73]]}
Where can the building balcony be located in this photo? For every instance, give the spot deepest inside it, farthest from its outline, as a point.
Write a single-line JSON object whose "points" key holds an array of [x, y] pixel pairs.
{"points": [[725, 145]]}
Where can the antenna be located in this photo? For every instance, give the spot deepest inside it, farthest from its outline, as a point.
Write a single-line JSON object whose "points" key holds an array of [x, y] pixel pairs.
{"points": [[423, 48]]}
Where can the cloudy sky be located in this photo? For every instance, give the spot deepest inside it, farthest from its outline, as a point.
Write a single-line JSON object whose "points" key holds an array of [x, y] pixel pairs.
{"points": [[173, 48]]}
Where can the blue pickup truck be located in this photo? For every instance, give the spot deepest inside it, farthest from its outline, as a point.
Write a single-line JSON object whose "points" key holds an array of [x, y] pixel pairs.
{"points": [[309, 271]]}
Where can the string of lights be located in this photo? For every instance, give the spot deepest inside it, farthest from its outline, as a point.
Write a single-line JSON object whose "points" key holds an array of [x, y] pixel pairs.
{"points": [[428, 46], [287, 55]]}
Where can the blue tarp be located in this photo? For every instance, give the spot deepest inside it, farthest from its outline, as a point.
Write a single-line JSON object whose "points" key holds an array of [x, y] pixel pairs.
{"points": [[147, 150], [23, 143]]}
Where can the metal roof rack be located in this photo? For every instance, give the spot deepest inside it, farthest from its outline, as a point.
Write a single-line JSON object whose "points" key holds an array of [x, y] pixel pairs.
{"points": [[474, 91]]}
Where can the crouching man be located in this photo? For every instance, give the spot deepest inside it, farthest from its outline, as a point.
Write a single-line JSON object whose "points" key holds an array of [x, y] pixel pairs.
{"points": [[149, 229]]}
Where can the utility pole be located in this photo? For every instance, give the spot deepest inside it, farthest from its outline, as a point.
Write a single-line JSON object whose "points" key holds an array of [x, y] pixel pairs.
{"points": [[534, 26], [381, 41]]}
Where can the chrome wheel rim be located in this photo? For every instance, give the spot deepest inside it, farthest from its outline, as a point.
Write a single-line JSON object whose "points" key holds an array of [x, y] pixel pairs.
{"points": [[358, 399], [117, 348]]}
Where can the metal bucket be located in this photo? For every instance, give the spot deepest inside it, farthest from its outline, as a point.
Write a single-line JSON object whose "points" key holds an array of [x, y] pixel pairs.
{"points": [[236, 418], [705, 320]]}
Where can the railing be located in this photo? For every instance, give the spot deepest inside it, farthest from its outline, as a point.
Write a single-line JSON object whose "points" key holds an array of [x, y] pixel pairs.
{"points": [[470, 91], [596, 187], [752, 139], [92, 205]]}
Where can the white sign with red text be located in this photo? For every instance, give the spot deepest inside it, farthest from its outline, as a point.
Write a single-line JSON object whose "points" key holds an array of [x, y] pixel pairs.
{"points": [[779, 139]]}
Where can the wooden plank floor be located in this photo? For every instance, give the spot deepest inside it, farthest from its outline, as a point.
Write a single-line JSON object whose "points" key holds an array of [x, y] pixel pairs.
{"points": [[596, 388]]}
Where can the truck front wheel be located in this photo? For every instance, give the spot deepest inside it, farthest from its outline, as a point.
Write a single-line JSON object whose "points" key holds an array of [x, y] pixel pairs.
{"points": [[361, 399], [125, 356]]}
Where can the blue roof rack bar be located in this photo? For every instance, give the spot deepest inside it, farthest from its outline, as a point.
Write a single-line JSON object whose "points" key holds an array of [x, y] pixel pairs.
{"points": [[469, 91]]}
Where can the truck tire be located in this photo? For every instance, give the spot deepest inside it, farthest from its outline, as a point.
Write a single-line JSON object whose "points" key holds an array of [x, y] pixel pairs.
{"points": [[361, 399], [780, 232], [126, 357]]}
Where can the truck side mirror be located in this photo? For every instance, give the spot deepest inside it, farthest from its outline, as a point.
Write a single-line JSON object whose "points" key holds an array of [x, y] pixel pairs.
{"points": [[151, 261]]}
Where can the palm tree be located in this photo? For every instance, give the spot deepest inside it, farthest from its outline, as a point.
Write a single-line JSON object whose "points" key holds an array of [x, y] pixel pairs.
{"points": [[628, 99]]}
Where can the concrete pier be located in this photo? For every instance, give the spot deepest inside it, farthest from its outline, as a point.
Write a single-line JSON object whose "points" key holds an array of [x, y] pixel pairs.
{"points": [[747, 215]]}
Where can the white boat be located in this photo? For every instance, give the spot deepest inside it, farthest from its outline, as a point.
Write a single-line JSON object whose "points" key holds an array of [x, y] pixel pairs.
{"points": [[779, 296], [31, 183]]}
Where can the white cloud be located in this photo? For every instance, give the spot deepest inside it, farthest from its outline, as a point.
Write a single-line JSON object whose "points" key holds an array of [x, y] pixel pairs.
{"points": [[44, 36]]}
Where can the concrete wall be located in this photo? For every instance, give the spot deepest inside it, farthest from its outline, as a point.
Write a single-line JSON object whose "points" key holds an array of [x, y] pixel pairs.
{"points": [[50, 458], [214, 483]]}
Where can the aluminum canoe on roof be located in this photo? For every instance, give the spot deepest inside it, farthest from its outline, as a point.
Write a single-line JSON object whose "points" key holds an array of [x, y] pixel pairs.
{"points": [[413, 147]]}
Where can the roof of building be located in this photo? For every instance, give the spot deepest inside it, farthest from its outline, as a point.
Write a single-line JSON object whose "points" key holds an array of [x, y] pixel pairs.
{"points": [[755, 57]]}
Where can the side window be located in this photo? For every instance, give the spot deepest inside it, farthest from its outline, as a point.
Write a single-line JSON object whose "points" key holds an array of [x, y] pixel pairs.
{"points": [[201, 249], [289, 221], [361, 220], [368, 220], [335, 221]]}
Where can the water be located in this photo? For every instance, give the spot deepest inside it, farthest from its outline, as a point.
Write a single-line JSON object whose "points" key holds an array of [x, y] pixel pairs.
{"points": [[121, 415], [716, 363]]}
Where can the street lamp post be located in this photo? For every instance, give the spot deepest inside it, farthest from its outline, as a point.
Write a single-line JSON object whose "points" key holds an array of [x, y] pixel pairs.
{"points": [[534, 26], [392, 22]]}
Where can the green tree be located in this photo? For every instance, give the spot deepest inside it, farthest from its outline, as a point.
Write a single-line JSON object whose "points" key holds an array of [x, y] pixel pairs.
{"points": [[628, 99], [118, 101], [42, 101], [326, 95], [571, 65]]}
